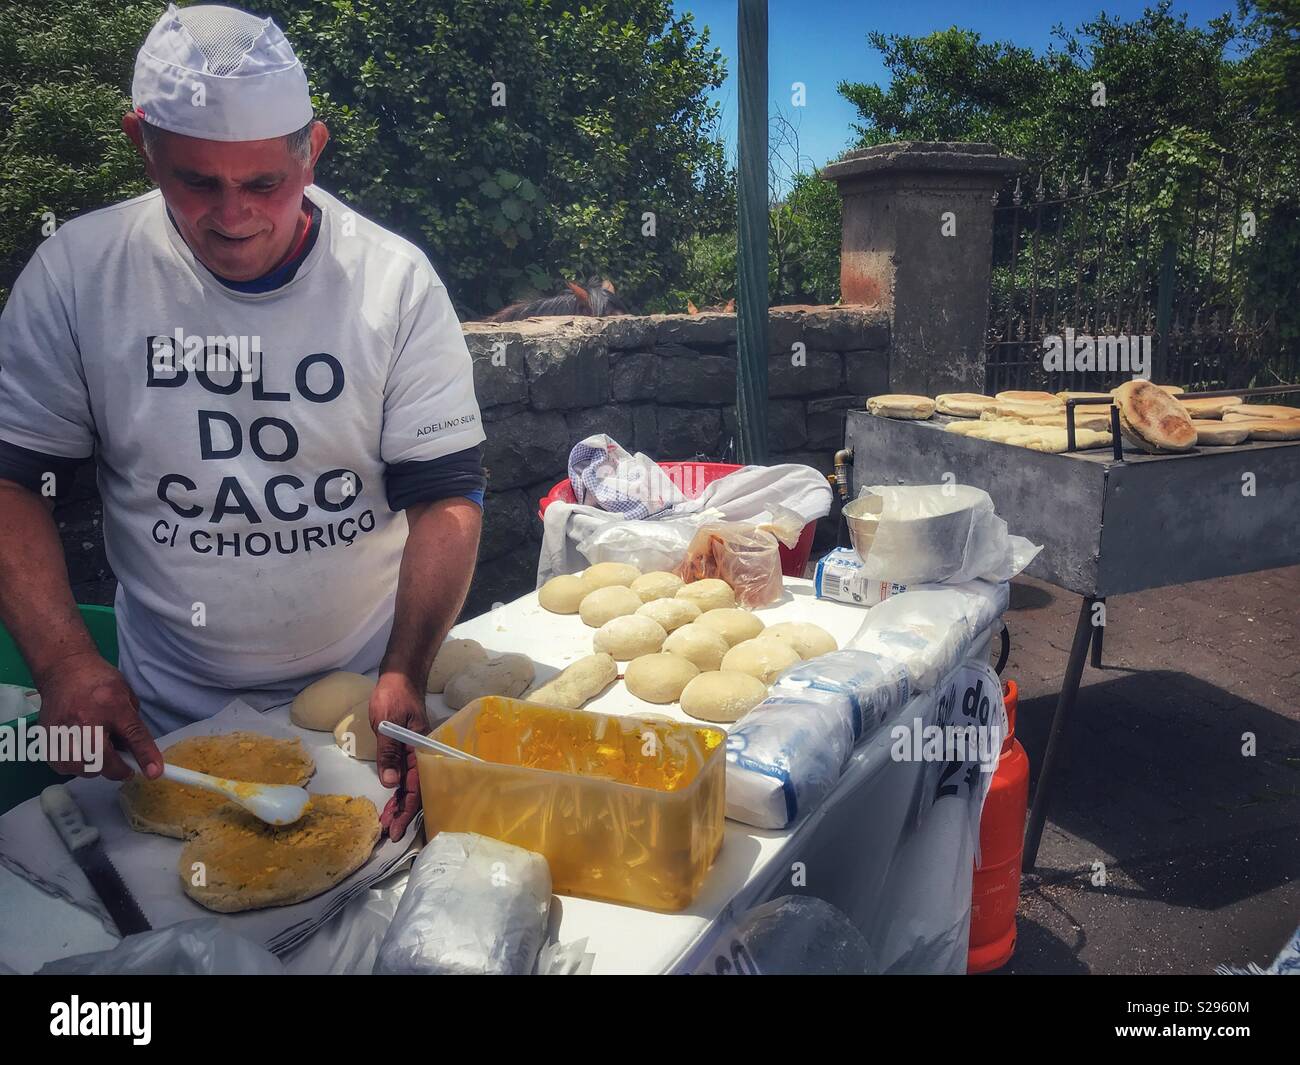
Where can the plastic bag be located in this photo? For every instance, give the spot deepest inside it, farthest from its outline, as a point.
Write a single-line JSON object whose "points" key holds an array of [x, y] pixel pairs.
{"points": [[929, 630], [648, 545], [472, 905], [930, 534], [795, 935], [746, 557], [785, 756], [203, 947], [869, 686]]}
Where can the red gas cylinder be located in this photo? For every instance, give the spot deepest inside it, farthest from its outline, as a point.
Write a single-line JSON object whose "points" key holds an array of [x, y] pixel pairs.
{"points": [[996, 891]]}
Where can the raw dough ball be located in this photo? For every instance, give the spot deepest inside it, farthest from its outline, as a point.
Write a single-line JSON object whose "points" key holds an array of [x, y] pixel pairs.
{"points": [[508, 675], [702, 646], [670, 613], [575, 684], [659, 678], [722, 695], [709, 594], [354, 734], [321, 705], [732, 624], [629, 637], [657, 585], [454, 656], [763, 658], [809, 640], [562, 594], [609, 574], [605, 604]]}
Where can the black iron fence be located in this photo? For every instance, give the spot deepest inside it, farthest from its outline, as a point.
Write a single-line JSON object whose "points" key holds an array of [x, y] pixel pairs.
{"points": [[1091, 283]]}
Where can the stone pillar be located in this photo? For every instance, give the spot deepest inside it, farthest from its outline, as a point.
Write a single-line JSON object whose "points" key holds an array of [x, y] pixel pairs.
{"points": [[918, 241]]}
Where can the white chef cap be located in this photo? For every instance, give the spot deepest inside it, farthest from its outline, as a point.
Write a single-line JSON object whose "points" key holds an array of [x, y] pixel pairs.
{"points": [[220, 74]]}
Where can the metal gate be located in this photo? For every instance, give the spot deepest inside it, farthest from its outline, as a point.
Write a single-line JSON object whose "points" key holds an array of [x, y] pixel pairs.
{"points": [[1081, 278]]}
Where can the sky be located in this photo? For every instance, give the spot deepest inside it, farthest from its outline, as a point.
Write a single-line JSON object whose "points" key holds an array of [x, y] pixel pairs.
{"points": [[821, 42]]}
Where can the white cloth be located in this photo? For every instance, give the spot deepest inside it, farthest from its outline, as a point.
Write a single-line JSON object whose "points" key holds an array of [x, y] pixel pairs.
{"points": [[246, 518], [748, 494], [220, 74]]}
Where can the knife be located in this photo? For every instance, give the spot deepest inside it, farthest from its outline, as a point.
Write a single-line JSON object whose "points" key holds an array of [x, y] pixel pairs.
{"points": [[83, 843]]}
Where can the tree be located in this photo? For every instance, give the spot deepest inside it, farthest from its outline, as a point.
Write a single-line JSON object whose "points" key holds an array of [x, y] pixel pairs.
{"points": [[602, 158]]}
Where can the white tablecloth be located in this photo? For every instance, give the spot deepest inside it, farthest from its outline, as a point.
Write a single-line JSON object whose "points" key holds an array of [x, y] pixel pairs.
{"points": [[753, 866]]}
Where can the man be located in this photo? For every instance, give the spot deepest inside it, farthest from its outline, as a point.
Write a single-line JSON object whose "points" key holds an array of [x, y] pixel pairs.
{"points": [[280, 404]]}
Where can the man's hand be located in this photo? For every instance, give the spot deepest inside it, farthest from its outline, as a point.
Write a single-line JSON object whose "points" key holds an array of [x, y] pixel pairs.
{"points": [[84, 690], [397, 699]]}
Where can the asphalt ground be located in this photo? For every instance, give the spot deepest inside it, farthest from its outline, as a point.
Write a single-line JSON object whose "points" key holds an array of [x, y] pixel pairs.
{"points": [[1169, 847]]}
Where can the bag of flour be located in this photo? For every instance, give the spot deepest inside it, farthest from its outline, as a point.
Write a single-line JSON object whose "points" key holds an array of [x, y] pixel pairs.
{"points": [[472, 906]]}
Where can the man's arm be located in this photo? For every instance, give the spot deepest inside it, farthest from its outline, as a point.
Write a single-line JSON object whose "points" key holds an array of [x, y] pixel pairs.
{"points": [[37, 607], [437, 566]]}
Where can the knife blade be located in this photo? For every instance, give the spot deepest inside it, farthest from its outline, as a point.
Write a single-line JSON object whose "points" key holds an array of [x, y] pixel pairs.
{"points": [[87, 850]]}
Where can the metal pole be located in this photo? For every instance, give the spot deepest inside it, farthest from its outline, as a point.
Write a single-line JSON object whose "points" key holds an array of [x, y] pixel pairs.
{"points": [[751, 230]]}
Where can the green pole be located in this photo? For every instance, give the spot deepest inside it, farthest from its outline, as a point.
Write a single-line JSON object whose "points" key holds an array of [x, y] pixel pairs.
{"points": [[751, 230]]}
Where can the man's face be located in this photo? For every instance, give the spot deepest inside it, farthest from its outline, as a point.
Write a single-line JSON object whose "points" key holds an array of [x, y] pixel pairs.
{"points": [[237, 204]]}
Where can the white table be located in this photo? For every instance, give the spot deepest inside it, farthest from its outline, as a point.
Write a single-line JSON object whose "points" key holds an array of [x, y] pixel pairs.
{"points": [[753, 865]]}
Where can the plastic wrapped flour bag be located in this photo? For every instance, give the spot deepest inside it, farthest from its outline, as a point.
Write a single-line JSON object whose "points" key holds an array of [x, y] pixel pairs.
{"points": [[472, 906], [929, 534], [795, 935], [202, 947], [866, 685], [929, 629], [785, 756]]}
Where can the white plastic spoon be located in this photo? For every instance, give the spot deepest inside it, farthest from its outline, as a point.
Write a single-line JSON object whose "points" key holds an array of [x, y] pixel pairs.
{"points": [[414, 739], [276, 804]]}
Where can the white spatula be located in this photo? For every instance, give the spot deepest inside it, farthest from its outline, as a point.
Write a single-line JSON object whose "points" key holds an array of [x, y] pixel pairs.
{"points": [[414, 739], [276, 804]]}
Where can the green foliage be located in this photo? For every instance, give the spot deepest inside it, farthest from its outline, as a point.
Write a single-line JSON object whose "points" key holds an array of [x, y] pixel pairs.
{"points": [[605, 119], [64, 76]]}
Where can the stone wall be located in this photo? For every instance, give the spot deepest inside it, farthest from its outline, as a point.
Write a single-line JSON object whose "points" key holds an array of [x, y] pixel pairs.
{"points": [[663, 384]]}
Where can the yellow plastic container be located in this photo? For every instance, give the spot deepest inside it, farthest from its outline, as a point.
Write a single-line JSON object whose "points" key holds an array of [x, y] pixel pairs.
{"points": [[623, 808]]}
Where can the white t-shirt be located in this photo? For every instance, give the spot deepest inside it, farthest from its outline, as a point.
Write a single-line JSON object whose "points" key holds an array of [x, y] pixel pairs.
{"points": [[246, 520]]}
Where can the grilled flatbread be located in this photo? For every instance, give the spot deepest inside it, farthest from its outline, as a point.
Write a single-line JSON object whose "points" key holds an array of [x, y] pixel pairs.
{"points": [[915, 408], [247, 864], [1008, 408], [1063, 396], [1208, 408], [1241, 411], [963, 404], [1028, 397], [1083, 419], [1173, 390], [1152, 419], [1055, 441], [1272, 428], [1221, 434], [170, 809]]}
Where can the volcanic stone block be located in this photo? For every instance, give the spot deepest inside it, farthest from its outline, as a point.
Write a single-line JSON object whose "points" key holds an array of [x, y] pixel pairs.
{"points": [[567, 371], [817, 371], [506, 579], [645, 429], [524, 448], [695, 378], [687, 431], [499, 375], [633, 375], [615, 421], [846, 329], [697, 330], [866, 373]]}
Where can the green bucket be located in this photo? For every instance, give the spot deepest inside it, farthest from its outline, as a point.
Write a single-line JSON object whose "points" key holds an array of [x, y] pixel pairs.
{"points": [[20, 781]]}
